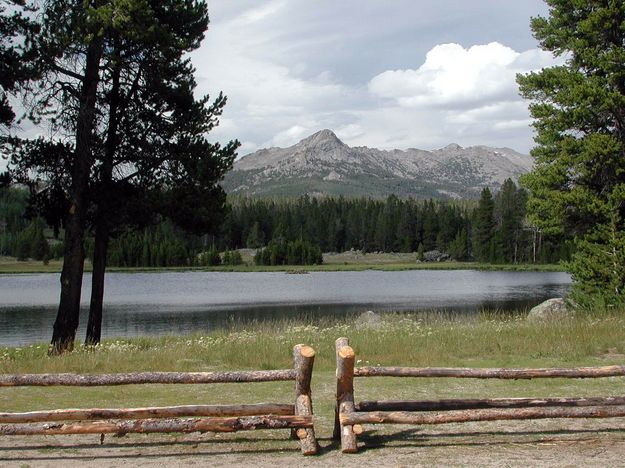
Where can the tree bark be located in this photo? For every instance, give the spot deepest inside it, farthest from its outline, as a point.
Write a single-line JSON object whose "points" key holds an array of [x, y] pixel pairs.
{"points": [[136, 378], [303, 360], [345, 394], [103, 214], [499, 414], [491, 373], [258, 409], [100, 250], [476, 403], [66, 322], [244, 423]]}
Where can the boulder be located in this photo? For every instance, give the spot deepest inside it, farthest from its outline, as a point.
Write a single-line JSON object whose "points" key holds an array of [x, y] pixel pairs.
{"points": [[435, 256], [368, 319], [551, 309]]}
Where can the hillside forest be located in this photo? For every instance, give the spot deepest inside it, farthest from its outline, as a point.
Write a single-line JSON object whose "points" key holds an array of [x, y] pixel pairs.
{"points": [[295, 231]]}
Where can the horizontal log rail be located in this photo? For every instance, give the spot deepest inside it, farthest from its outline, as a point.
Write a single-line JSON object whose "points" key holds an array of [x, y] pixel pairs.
{"points": [[86, 414], [186, 425], [297, 416], [476, 403], [92, 380], [403, 417], [491, 373], [351, 415]]}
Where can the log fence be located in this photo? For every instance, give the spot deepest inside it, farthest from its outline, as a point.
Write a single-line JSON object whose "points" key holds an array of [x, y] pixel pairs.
{"points": [[298, 416], [351, 416]]}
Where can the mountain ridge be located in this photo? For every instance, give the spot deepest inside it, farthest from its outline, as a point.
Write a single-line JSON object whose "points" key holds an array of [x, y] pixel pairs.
{"points": [[322, 164]]}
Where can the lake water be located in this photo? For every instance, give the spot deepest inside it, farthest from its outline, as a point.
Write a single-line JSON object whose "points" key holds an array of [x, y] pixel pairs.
{"points": [[184, 302]]}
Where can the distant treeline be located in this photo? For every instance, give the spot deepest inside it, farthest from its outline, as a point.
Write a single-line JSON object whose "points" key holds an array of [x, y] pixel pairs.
{"points": [[492, 229]]}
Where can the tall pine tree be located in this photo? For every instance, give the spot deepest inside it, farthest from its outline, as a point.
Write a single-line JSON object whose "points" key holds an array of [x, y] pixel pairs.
{"points": [[578, 184], [484, 227]]}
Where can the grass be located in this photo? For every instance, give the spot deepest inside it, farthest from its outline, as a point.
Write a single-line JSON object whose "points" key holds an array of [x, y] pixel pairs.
{"points": [[340, 262], [485, 340]]}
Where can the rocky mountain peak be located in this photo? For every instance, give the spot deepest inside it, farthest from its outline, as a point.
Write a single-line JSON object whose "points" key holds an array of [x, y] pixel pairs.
{"points": [[322, 164], [452, 147], [323, 139]]}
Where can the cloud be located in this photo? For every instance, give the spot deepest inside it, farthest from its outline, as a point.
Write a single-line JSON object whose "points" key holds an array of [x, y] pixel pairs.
{"points": [[453, 77], [422, 76]]}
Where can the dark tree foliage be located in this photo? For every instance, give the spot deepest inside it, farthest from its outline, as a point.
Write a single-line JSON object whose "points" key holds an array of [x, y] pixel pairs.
{"points": [[509, 214], [286, 221], [391, 225], [117, 82], [15, 57], [281, 252], [484, 227], [157, 127], [577, 188]]}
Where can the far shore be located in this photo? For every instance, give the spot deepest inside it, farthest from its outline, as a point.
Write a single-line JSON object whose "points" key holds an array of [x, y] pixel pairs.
{"points": [[332, 262]]}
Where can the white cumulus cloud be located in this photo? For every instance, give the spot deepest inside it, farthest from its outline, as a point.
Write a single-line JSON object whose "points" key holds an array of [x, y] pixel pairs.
{"points": [[456, 78]]}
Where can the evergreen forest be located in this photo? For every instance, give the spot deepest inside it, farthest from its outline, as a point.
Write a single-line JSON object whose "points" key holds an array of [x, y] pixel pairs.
{"points": [[492, 229]]}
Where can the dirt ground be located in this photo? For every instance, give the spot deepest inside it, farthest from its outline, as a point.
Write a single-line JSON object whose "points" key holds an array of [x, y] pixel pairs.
{"points": [[533, 443]]}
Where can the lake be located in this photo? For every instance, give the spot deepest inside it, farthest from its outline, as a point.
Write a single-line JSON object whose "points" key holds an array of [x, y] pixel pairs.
{"points": [[184, 302]]}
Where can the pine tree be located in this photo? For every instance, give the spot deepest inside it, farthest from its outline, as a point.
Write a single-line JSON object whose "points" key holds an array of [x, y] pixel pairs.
{"points": [[458, 247], [484, 227], [577, 186], [16, 62], [509, 221], [256, 237]]}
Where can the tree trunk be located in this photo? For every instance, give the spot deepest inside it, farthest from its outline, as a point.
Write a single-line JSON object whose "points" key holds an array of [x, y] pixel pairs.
{"points": [[492, 373], [94, 324], [146, 426], [67, 317], [345, 394], [303, 360], [103, 212], [491, 414], [137, 378], [83, 414]]}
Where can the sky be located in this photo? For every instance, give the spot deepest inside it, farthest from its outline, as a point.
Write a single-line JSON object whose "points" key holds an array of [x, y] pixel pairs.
{"points": [[379, 73]]}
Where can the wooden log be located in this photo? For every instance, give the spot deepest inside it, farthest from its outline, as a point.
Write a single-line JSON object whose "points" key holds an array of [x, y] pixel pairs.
{"points": [[460, 416], [246, 423], [336, 433], [358, 429], [90, 380], [345, 394], [474, 403], [150, 412], [303, 360], [492, 373]]}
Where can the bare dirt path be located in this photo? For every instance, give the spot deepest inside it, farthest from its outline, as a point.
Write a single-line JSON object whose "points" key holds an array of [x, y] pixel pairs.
{"points": [[534, 443]]}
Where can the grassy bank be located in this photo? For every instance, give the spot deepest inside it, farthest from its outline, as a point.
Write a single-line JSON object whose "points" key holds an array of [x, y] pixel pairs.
{"points": [[484, 340], [384, 262], [487, 339]]}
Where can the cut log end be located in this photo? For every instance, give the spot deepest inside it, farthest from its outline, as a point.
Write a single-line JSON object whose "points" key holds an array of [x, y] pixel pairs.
{"points": [[306, 351], [301, 433], [346, 352], [358, 429]]}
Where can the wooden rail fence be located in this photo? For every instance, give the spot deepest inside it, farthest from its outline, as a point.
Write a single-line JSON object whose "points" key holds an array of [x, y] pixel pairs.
{"points": [[298, 416], [350, 416]]}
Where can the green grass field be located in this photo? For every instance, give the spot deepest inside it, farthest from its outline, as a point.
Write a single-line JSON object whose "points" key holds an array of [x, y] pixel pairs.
{"points": [[337, 262], [486, 340]]}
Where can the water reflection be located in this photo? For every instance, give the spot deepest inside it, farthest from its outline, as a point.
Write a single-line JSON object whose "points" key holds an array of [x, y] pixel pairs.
{"points": [[184, 302]]}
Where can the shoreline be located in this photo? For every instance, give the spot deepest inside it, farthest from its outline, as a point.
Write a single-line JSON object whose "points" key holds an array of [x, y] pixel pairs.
{"points": [[8, 267]]}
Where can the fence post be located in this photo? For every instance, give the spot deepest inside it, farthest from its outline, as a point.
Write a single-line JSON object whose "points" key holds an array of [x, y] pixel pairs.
{"points": [[345, 358], [303, 360]]}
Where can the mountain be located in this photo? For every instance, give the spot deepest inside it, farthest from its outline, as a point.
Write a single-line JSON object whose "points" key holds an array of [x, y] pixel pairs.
{"points": [[323, 165]]}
